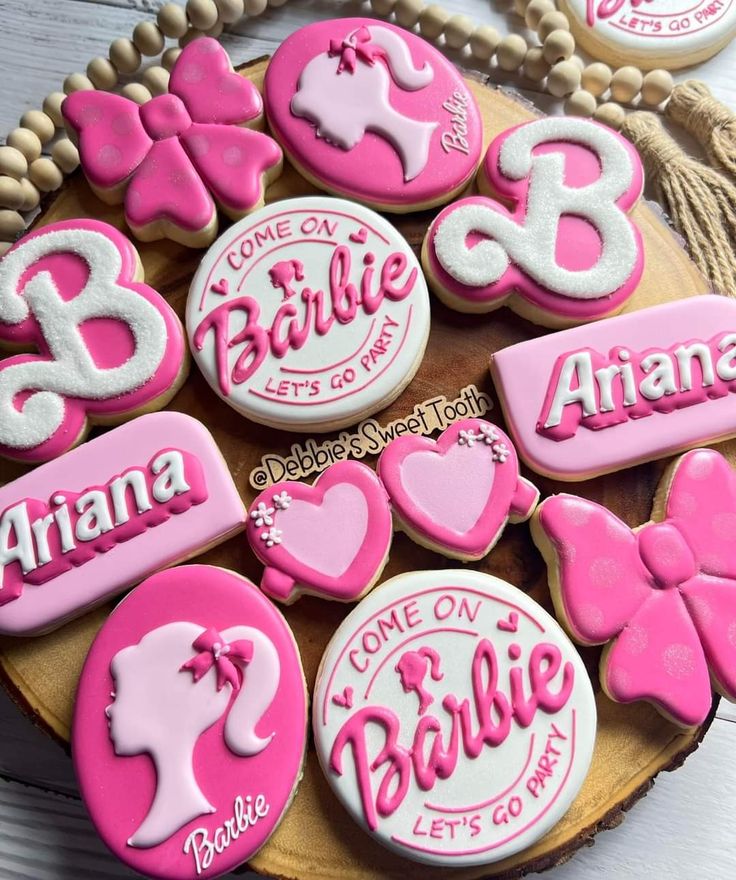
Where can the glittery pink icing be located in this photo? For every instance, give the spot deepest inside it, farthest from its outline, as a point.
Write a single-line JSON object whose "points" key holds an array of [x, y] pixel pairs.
{"points": [[330, 539], [183, 780], [664, 594], [373, 112], [179, 151], [460, 491]]}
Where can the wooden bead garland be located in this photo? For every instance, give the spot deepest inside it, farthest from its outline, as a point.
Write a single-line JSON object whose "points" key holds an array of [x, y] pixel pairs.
{"points": [[102, 73], [11, 194], [25, 141], [124, 55], [39, 123], [13, 163]]}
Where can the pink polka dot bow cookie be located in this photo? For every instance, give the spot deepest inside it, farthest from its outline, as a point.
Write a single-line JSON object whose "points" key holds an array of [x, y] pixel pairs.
{"points": [[174, 159], [662, 596]]}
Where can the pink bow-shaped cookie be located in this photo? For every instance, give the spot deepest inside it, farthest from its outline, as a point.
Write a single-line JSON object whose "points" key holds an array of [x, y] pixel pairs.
{"points": [[664, 594], [215, 651], [172, 158], [357, 45]]}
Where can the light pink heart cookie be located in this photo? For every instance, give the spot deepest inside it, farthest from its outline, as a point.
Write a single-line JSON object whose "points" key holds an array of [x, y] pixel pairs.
{"points": [[330, 539], [456, 494]]}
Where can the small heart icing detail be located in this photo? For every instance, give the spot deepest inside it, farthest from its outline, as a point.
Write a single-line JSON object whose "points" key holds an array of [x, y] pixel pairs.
{"points": [[222, 287], [360, 236], [509, 624], [345, 699]]}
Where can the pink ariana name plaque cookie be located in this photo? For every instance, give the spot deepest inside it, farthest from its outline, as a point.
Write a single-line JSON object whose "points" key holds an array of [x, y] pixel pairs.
{"points": [[189, 727], [453, 718], [368, 110]]}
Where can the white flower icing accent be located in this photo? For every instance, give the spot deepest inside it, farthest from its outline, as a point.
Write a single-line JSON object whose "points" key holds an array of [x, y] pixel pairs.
{"points": [[500, 452], [489, 434], [467, 438], [271, 537], [282, 500], [262, 515]]}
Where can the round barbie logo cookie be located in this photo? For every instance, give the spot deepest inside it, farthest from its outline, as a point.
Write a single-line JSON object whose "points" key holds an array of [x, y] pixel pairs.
{"points": [[189, 732], [371, 111], [453, 717], [309, 315]]}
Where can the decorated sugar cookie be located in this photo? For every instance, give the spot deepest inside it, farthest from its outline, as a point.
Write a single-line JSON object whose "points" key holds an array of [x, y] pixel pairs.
{"points": [[173, 160], [103, 346], [81, 529], [631, 389], [331, 539], [309, 315], [370, 111], [651, 33], [663, 596], [453, 718], [189, 726], [567, 251], [455, 495]]}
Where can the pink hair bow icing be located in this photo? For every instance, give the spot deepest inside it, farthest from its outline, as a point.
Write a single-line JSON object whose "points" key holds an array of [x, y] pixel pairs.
{"points": [[169, 157], [215, 651], [357, 45], [663, 595]]}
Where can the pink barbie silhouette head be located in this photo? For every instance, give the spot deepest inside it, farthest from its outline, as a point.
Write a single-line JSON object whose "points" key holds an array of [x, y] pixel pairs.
{"points": [[169, 689], [412, 668], [345, 93], [284, 273]]}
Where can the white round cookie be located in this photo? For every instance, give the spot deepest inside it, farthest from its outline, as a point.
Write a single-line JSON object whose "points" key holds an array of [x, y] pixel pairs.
{"points": [[453, 717], [309, 314], [651, 33]]}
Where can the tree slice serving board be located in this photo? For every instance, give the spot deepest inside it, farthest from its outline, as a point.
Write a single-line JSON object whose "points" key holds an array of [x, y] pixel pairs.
{"points": [[317, 839]]}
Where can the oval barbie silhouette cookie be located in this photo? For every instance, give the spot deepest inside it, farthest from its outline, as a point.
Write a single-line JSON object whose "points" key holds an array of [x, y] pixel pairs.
{"points": [[371, 111], [189, 726]]}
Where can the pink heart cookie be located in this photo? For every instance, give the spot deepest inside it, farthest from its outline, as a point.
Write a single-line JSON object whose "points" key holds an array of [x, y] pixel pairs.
{"points": [[330, 539], [456, 494]]}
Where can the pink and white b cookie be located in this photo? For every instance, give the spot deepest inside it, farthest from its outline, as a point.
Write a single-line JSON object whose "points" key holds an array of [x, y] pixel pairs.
{"points": [[453, 718], [567, 252], [173, 160], [331, 539], [310, 315], [104, 346], [662, 596], [370, 111], [189, 727], [456, 494]]}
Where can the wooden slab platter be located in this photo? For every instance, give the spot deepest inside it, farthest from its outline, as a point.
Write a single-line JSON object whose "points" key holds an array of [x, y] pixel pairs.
{"points": [[317, 839]]}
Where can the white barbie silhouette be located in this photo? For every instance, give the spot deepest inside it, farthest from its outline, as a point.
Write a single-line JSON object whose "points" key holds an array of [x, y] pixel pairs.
{"points": [[169, 689], [347, 98]]}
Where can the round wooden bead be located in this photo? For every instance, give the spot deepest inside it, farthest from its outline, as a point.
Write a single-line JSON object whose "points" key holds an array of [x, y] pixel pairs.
{"points": [[536, 10], [52, 108], [458, 29], [148, 38], [202, 14], [26, 141], [535, 67], [31, 195], [229, 11], [581, 103], [189, 37], [124, 55], [578, 62], [520, 7], [11, 194], [156, 80], [511, 52], [552, 21], [559, 46], [484, 41], [102, 73], [563, 78], [170, 57], [255, 7], [11, 225], [432, 20], [5, 247], [39, 123], [45, 174], [77, 82], [172, 21], [626, 84], [66, 155], [596, 78], [656, 87], [610, 114], [13, 163], [383, 8], [217, 28], [136, 92], [407, 12]]}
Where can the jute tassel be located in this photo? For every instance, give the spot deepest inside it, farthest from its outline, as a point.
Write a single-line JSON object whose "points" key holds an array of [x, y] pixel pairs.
{"points": [[692, 106], [700, 201]]}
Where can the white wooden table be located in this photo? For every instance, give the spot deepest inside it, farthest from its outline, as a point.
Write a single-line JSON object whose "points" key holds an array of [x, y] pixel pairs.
{"points": [[684, 830]]}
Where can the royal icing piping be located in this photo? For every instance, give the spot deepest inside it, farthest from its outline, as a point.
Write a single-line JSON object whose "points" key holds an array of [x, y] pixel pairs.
{"points": [[309, 315], [457, 493], [453, 718], [568, 247], [81, 529], [107, 345], [663, 595], [633, 388], [193, 761], [373, 112], [177, 155], [331, 539]]}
